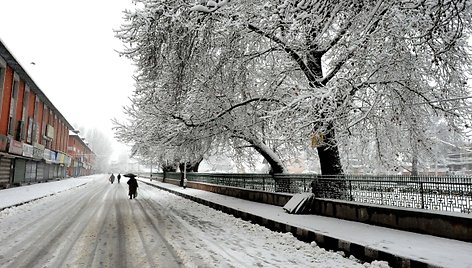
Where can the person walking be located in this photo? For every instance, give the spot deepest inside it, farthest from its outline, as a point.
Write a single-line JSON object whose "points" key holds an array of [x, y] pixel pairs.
{"points": [[112, 178], [132, 185], [119, 177]]}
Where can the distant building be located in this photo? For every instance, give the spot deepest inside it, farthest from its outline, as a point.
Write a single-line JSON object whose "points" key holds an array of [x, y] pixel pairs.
{"points": [[460, 161], [33, 133], [82, 157]]}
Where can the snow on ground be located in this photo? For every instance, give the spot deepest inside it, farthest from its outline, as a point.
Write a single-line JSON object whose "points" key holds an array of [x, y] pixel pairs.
{"points": [[426, 248], [250, 244], [201, 236], [19, 195]]}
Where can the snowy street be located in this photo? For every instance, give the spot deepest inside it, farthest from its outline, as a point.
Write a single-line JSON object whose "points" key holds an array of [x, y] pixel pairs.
{"points": [[259, 134], [90, 226], [96, 225]]}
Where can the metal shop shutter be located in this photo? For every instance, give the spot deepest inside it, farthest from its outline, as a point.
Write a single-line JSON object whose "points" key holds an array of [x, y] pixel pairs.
{"points": [[56, 171], [5, 168], [40, 171], [19, 171], [47, 174], [30, 174]]}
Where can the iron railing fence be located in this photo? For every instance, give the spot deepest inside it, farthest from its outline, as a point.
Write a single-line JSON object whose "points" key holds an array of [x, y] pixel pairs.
{"points": [[261, 182], [442, 193]]}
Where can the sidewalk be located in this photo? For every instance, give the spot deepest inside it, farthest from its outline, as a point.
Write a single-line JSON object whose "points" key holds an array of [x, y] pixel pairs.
{"points": [[400, 248], [18, 196]]}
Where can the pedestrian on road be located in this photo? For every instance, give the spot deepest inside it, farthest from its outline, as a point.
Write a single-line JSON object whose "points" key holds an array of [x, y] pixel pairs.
{"points": [[133, 185], [112, 178], [119, 177]]}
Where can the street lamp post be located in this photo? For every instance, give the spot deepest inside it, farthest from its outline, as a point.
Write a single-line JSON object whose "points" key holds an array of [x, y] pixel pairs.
{"points": [[151, 173]]}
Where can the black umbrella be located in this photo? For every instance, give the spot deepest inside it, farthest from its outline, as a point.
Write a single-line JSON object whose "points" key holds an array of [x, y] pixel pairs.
{"points": [[130, 175]]}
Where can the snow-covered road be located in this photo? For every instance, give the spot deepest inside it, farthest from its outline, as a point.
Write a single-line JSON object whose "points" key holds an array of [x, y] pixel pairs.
{"points": [[90, 226], [96, 225]]}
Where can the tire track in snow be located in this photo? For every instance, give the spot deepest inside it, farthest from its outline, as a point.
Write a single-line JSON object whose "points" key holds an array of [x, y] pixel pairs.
{"points": [[188, 227], [103, 247], [51, 229], [120, 230], [173, 260], [70, 244]]}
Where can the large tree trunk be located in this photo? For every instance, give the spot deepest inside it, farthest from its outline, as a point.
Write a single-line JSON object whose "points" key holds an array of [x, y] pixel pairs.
{"points": [[196, 164], [330, 165], [276, 167], [414, 161], [268, 154], [191, 166], [414, 165], [168, 168], [328, 153], [313, 70]]}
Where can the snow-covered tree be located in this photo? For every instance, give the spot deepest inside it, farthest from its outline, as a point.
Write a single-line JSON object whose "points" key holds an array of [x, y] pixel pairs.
{"points": [[270, 75], [183, 104], [100, 145]]}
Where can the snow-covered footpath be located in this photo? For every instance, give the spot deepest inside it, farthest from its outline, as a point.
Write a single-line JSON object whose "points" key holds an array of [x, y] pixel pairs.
{"points": [[197, 235], [17, 196]]}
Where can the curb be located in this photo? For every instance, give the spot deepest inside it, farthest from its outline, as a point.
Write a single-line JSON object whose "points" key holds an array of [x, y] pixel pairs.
{"points": [[361, 252]]}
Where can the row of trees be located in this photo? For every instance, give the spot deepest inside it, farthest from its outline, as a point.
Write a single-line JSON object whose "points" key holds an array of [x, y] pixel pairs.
{"points": [[275, 77], [100, 145]]}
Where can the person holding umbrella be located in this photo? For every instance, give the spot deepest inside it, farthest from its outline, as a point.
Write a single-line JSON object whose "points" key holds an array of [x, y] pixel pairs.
{"points": [[132, 185]]}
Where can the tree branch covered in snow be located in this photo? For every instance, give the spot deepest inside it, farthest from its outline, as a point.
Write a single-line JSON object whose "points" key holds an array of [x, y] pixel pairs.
{"points": [[349, 70], [221, 114]]}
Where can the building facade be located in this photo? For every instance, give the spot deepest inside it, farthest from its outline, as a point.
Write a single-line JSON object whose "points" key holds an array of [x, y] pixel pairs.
{"points": [[82, 157], [33, 133], [460, 160]]}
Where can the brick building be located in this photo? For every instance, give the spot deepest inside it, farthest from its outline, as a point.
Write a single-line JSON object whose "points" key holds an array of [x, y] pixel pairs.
{"points": [[33, 133], [82, 157]]}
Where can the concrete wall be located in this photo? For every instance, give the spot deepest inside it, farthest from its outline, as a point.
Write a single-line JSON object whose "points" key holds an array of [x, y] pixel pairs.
{"points": [[277, 199], [444, 224]]}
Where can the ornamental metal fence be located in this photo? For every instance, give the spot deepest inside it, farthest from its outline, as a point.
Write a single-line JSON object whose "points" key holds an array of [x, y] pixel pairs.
{"points": [[441, 193]]}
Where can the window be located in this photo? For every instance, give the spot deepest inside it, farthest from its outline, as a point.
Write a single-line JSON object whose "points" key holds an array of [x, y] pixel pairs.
{"points": [[55, 139], [13, 102], [3, 67], [45, 124], [30, 130], [25, 113], [35, 132], [45, 119]]}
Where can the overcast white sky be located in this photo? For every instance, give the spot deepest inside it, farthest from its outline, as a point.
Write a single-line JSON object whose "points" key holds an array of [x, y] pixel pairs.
{"points": [[73, 47]]}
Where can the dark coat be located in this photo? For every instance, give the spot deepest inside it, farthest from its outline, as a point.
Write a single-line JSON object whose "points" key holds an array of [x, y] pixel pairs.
{"points": [[133, 185]]}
